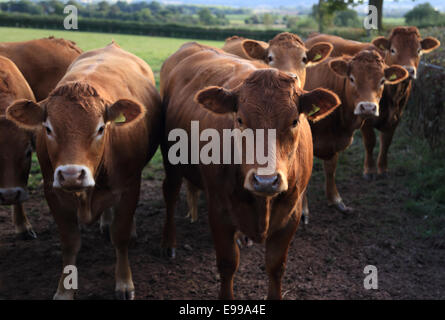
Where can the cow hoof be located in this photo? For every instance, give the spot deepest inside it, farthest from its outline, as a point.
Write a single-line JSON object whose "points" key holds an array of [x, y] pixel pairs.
{"points": [[124, 295], [27, 235], [369, 176], [168, 253], [340, 206]]}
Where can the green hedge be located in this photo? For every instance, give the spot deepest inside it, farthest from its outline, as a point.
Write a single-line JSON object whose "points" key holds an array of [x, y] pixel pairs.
{"points": [[129, 27]]}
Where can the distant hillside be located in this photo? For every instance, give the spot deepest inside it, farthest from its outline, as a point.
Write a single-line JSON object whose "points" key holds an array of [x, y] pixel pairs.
{"points": [[390, 5]]}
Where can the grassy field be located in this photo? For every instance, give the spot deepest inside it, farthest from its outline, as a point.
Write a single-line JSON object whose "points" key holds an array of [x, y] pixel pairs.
{"points": [[154, 50]]}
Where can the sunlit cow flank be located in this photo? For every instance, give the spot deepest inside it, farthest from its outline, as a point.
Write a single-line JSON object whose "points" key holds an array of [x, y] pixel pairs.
{"points": [[222, 91], [286, 52], [359, 82], [404, 46], [16, 146], [43, 62], [96, 131]]}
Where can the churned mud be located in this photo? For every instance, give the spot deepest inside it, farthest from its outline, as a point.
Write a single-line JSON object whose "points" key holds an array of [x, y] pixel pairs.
{"points": [[326, 259]]}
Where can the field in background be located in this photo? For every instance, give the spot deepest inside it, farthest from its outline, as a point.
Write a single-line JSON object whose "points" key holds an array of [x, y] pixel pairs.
{"points": [[154, 50]]}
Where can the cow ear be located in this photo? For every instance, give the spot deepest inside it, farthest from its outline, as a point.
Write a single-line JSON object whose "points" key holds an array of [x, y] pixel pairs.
{"points": [[217, 99], [254, 50], [395, 74], [382, 43], [429, 44], [125, 111], [318, 103], [339, 66], [318, 53], [26, 114]]}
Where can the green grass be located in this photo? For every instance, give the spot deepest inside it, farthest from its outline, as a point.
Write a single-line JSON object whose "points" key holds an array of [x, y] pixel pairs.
{"points": [[154, 50]]}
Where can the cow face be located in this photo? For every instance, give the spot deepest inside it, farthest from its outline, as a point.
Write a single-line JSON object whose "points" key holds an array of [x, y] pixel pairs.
{"points": [[365, 76], [404, 47], [15, 162], [270, 99], [75, 125], [288, 53]]}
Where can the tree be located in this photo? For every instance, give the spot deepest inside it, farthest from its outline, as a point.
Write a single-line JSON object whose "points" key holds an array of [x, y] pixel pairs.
{"points": [[205, 16], [323, 12], [347, 18], [422, 12]]}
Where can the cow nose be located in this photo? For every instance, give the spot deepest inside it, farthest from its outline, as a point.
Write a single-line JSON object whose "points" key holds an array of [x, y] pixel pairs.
{"points": [[73, 177], [366, 108], [12, 196], [269, 184], [411, 71]]}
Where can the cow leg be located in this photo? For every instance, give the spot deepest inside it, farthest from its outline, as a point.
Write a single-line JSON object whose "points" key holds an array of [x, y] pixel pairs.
{"points": [[332, 194], [170, 187], [106, 219], [121, 228], [385, 142], [227, 252], [70, 241], [105, 223], [277, 246], [23, 228], [369, 140], [192, 201], [305, 212]]}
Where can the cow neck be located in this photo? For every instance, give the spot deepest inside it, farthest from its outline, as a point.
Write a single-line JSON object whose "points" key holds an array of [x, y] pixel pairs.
{"points": [[347, 123]]}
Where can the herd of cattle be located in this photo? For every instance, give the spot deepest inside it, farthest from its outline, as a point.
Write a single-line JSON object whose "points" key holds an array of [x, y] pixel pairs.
{"points": [[95, 119]]}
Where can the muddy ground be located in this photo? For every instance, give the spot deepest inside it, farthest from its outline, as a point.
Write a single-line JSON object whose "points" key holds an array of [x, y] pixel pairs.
{"points": [[326, 258]]}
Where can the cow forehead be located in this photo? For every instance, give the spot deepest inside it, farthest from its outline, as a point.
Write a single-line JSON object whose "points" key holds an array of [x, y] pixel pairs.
{"points": [[74, 115]]}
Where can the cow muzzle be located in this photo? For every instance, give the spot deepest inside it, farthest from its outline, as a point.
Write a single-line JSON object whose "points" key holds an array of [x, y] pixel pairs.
{"points": [[265, 185], [10, 196], [367, 109], [73, 178], [412, 71]]}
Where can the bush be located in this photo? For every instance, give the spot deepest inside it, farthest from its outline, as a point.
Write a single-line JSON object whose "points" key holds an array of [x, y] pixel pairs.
{"points": [[132, 27], [347, 18], [424, 15], [425, 113]]}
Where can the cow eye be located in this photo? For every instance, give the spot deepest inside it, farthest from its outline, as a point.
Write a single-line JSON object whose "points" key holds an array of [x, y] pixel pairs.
{"points": [[393, 51], [48, 130], [101, 131], [382, 82], [270, 58], [294, 123], [240, 122], [351, 79], [419, 51], [305, 60]]}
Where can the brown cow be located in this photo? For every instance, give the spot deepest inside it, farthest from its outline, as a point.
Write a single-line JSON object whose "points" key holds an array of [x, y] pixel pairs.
{"points": [[96, 131], [404, 46], [43, 62], [224, 92], [286, 52], [359, 82], [16, 146]]}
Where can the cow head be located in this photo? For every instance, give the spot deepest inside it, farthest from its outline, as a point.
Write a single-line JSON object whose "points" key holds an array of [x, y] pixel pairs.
{"points": [[75, 124], [16, 147], [365, 76], [404, 47], [288, 53], [270, 99]]}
